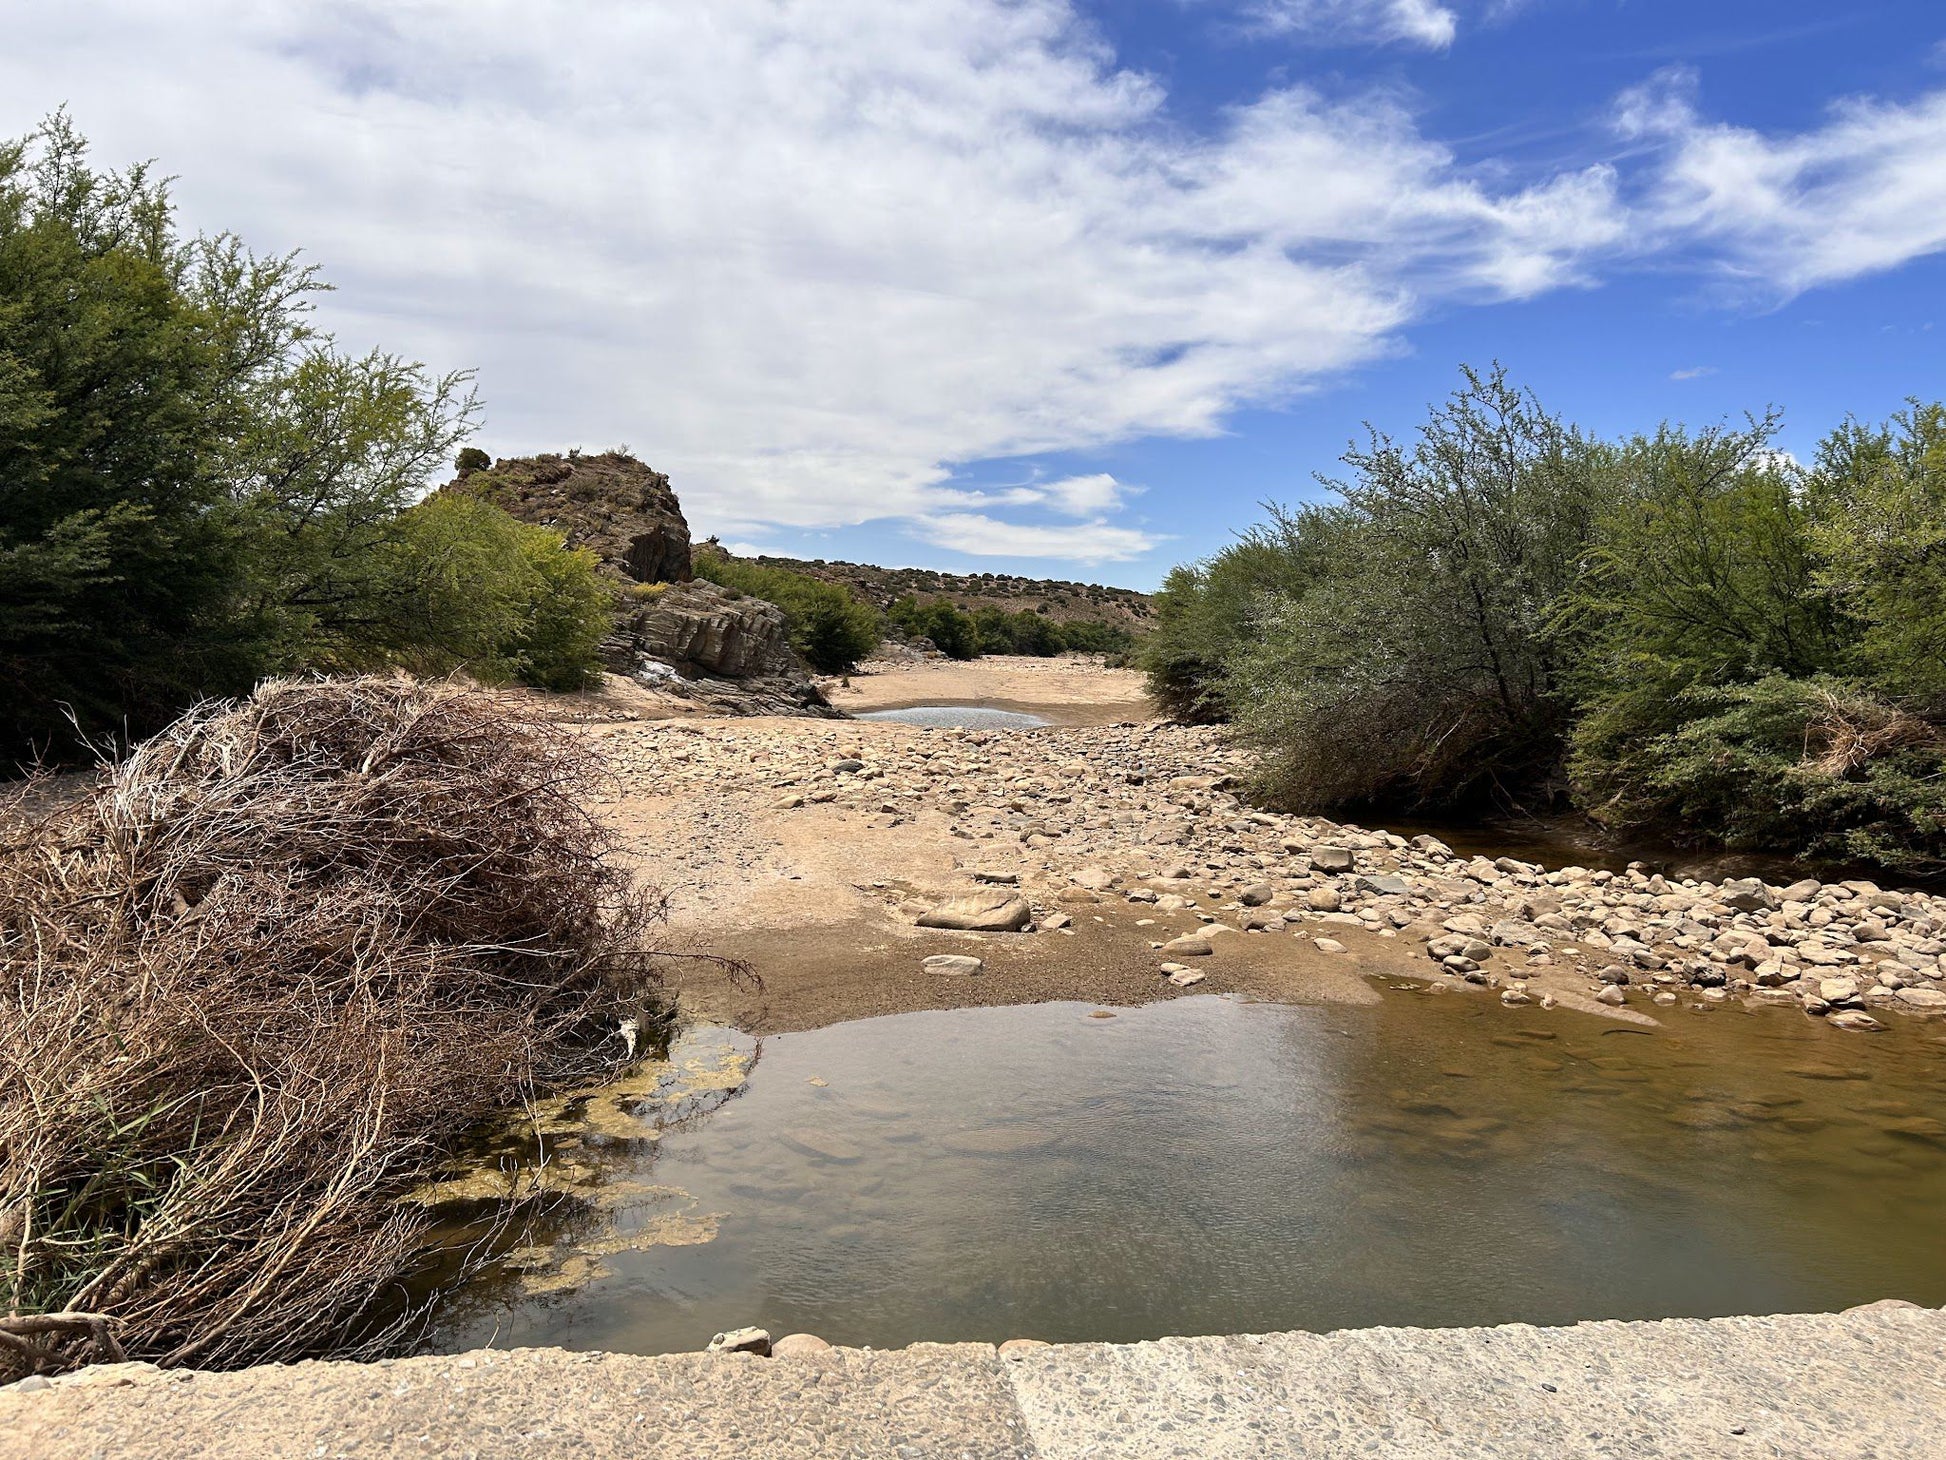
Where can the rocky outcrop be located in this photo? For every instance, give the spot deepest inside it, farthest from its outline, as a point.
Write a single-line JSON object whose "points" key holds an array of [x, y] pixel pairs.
{"points": [[726, 650], [612, 503], [700, 628], [694, 640]]}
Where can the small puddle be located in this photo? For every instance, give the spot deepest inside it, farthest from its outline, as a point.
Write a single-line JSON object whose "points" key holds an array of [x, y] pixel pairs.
{"points": [[963, 717], [1214, 1165]]}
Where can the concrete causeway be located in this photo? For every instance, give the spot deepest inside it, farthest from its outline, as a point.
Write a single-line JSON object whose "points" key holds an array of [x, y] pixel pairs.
{"points": [[1867, 1383]]}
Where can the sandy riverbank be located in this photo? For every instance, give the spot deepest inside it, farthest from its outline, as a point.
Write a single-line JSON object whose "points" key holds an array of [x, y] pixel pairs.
{"points": [[1072, 690], [809, 849]]}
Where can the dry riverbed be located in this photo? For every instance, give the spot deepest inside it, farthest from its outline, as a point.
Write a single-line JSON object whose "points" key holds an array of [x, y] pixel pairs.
{"points": [[813, 850]]}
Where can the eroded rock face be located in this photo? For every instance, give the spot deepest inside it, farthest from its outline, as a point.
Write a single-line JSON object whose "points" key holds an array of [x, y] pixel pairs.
{"points": [[613, 504], [702, 629]]}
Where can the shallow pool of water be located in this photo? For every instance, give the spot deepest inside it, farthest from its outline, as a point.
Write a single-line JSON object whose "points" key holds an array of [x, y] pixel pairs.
{"points": [[1213, 1165], [967, 717]]}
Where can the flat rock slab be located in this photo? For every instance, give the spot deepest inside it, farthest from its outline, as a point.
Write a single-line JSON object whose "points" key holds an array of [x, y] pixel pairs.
{"points": [[931, 1399], [1869, 1383], [1831, 1386]]}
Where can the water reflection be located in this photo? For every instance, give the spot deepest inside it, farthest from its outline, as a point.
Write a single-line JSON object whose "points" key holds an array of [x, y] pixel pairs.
{"points": [[966, 717], [1214, 1165]]}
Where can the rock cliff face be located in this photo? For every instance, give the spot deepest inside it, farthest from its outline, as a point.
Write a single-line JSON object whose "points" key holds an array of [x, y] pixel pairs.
{"points": [[693, 640], [614, 504], [730, 651]]}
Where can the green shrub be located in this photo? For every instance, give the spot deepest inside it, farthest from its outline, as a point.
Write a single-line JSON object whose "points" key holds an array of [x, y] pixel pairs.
{"points": [[1816, 767], [951, 632], [829, 628], [475, 589]]}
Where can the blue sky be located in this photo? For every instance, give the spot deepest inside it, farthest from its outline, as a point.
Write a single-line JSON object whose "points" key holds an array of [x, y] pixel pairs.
{"points": [[1059, 287]]}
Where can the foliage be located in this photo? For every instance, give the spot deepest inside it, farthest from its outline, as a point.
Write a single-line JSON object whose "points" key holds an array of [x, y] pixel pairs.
{"points": [[1817, 767], [829, 628], [1031, 633], [473, 588], [1683, 631], [202, 489], [1414, 666], [952, 633], [1878, 497], [1205, 610]]}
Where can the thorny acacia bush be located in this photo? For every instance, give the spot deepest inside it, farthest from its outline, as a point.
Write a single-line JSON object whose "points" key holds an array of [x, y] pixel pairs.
{"points": [[258, 982]]}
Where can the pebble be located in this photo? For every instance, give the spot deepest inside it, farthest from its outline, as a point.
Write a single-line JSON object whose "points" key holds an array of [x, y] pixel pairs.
{"points": [[956, 965]]}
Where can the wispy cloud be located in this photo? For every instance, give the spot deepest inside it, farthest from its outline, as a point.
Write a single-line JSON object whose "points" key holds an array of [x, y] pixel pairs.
{"points": [[1417, 22], [1097, 541], [1863, 193], [1694, 372], [807, 258]]}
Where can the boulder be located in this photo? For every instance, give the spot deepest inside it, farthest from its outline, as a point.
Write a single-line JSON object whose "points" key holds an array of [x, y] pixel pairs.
{"points": [[1747, 894], [799, 1346], [700, 628], [980, 912]]}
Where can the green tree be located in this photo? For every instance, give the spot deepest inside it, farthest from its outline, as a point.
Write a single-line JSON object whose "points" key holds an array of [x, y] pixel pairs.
{"points": [[459, 584], [196, 487], [950, 631], [1417, 667], [1878, 507]]}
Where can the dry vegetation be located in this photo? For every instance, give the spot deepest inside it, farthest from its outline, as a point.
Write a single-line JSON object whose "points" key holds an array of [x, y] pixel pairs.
{"points": [[256, 984]]}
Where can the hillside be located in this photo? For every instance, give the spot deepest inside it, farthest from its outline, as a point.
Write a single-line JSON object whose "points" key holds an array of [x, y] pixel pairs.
{"points": [[1062, 601]]}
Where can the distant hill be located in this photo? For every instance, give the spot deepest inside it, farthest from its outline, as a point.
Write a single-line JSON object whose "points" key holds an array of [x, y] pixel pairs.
{"points": [[1061, 600]]}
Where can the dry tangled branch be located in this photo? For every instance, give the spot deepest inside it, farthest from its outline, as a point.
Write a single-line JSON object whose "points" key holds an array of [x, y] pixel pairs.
{"points": [[256, 984], [1852, 730]]}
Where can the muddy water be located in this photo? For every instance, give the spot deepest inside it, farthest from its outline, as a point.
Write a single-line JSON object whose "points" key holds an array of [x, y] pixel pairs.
{"points": [[1214, 1165]]}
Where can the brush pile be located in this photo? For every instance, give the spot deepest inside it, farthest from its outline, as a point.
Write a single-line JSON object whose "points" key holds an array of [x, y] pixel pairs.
{"points": [[256, 985]]}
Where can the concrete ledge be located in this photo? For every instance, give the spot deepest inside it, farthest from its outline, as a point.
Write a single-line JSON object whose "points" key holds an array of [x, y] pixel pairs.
{"points": [[1869, 1383]]}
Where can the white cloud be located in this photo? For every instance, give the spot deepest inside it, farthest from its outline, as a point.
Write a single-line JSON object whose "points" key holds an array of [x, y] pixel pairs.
{"points": [[1693, 372], [805, 257], [1096, 541], [1863, 193], [1420, 22]]}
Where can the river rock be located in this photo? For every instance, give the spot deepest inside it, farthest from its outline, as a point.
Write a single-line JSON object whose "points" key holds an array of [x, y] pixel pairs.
{"points": [[980, 912], [1256, 894], [1922, 998], [955, 965], [742, 1341], [1183, 978], [1323, 899], [1189, 945], [1746, 894], [1612, 995], [799, 1346], [1328, 945], [1332, 859], [1854, 1019]]}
